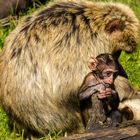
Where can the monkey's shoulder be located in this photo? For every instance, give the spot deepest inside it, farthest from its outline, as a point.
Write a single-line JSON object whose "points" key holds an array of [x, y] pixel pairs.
{"points": [[90, 79]]}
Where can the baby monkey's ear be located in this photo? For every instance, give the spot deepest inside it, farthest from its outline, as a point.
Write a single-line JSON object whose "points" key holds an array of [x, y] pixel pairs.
{"points": [[92, 63]]}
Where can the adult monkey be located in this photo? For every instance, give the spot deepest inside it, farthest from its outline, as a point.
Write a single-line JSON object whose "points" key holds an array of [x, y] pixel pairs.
{"points": [[44, 59]]}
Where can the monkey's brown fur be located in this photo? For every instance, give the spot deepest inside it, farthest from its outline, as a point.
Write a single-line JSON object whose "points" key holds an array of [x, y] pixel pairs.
{"points": [[44, 59]]}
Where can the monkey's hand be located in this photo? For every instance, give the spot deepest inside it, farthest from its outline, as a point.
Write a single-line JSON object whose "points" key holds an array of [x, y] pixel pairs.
{"points": [[108, 92]]}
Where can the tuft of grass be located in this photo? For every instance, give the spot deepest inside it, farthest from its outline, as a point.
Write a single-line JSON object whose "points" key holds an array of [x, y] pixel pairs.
{"points": [[130, 62], [5, 31], [5, 133]]}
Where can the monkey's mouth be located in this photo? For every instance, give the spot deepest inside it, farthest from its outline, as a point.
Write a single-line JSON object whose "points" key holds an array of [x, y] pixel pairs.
{"points": [[130, 49], [108, 85], [131, 46], [127, 50]]}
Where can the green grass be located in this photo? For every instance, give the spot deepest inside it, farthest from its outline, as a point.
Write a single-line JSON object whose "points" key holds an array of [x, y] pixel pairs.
{"points": [[130, 62]]}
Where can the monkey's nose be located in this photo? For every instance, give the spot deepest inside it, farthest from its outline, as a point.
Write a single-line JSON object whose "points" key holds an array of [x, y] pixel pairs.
{"points": [[110, 81], [107, 85]]}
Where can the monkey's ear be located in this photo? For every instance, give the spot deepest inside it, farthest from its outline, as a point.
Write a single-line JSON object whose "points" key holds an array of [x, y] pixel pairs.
{"points": [[115, 25], [92, 63]]}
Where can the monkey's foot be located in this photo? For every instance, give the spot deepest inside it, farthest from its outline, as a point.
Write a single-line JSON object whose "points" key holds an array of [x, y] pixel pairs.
{"points": [[108, 122]]}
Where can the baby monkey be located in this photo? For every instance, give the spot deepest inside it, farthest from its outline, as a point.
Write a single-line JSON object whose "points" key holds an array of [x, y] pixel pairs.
{"points": [[104, 104]]}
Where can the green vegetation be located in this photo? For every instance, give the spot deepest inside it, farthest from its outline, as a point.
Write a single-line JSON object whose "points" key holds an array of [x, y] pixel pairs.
{"points": [[130, 62]]}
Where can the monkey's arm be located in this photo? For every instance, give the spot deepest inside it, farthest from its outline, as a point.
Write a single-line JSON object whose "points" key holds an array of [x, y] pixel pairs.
{"points": [[85, 94], [89, 86]]}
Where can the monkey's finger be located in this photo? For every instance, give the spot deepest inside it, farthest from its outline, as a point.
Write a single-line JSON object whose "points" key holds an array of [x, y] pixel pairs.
{"points": [[108, 90], [101, 96], [106, 93]]}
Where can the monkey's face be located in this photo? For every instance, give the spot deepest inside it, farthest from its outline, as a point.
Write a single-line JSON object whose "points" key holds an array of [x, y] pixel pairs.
{"points": [[124, 42], [121, 35], [107, 74]]}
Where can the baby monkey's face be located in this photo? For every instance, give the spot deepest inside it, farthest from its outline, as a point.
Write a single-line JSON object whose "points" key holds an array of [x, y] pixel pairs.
{"points": [[106, 73]]}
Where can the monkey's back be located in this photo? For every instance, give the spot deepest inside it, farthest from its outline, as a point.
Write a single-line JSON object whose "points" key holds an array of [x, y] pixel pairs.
{"points": [[44, 61]]}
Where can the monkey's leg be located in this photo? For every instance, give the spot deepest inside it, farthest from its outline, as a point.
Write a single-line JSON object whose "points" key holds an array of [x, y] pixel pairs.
{"points": [[97, 115], [115, 117]]}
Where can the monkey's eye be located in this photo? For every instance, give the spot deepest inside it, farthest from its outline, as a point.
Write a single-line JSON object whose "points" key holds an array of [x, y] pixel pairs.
{"points": [[107, 74]]}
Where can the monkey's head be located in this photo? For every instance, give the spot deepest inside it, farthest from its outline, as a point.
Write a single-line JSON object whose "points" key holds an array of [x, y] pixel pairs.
{"points": [[104, 67], [123, 28], [122, 36], [117, 28]]}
